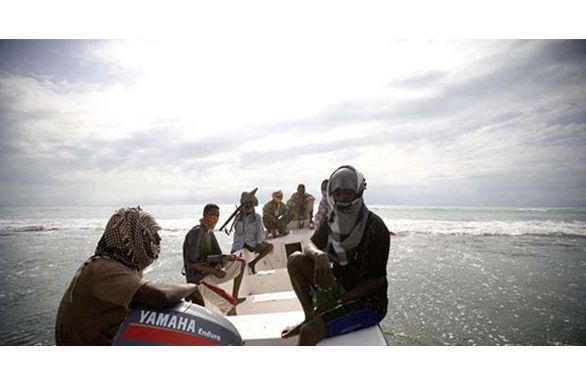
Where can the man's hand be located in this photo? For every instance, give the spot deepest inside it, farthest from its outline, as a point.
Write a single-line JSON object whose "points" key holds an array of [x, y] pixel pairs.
{"points": [[226, 258], [219, 273], [322, 272], [325, 307]]}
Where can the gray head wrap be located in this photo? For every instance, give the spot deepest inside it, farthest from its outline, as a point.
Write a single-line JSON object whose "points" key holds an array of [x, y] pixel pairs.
{"points": [[347, 221]]}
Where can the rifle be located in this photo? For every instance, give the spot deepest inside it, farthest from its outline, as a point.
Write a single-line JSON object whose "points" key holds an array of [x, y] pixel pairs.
{"points": [[238, 208]]}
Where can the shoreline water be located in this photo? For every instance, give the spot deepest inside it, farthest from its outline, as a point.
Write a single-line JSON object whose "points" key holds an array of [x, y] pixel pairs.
{"points": [[452, 281]]}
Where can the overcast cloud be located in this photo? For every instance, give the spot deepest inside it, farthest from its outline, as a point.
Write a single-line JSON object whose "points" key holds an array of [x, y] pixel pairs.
{"points": [[427, 122]]}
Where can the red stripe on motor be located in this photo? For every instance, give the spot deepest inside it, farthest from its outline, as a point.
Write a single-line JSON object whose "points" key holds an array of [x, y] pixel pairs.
{"points": [[163, 336]]}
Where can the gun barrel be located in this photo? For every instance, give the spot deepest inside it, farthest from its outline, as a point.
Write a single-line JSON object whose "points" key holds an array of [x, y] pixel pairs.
{"points": [[238, 208]]}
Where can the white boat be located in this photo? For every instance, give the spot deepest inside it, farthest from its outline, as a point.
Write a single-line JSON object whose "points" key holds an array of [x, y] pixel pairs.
{"points": [[271, 304]]}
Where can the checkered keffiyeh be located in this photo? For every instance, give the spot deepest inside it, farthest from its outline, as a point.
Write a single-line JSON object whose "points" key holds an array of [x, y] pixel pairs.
{"points": [[130, 238]]}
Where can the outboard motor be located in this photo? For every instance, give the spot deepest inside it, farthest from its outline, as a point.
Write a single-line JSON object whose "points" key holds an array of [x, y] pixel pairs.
{"points": [[183, 324]]}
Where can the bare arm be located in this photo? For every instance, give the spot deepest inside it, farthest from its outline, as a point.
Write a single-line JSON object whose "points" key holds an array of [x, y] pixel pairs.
{"points": [[365, 288], [322, 274], [312, 251], [163, 294]]}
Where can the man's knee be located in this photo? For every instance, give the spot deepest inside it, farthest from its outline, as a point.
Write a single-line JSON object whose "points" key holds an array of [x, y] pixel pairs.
{"points": [[269, 247], [295, 261]]}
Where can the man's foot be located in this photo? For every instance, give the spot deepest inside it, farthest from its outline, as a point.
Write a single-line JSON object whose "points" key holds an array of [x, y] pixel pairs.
{"points": [[240, 300], [231, 312], [251, 267], [291, 331]]}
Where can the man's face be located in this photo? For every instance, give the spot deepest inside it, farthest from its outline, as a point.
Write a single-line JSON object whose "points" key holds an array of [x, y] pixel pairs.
{"points": [[344, 195], [154, 245], [278, 198], [212, 218], [301, 190], [248, 207]]}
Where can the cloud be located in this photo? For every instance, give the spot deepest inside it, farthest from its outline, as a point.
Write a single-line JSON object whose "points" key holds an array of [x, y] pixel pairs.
{"points": [[473, 121]]}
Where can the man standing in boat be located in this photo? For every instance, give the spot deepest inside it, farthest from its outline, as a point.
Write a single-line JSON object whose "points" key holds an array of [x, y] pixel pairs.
{"points": [[248, 231], [206, 266], [340, 278]]}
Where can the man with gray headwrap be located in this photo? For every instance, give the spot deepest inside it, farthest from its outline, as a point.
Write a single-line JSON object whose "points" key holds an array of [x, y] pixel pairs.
{"points": [[340, 278], [98, 298]]}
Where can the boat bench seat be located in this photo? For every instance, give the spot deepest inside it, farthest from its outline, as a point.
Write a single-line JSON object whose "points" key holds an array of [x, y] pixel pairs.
{"points": [[269, 303], [265, 329]]}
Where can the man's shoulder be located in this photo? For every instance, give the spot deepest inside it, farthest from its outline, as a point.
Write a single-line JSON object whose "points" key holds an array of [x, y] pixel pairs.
{"points": [[194, 231], [376, 223], [196, 228], [103, 265]]}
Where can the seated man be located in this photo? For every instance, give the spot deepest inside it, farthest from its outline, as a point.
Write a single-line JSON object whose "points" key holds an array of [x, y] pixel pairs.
{"points": [[98, 298], [274, 215], [206, 266], [248, 231], [300, 205], [355, 241]]}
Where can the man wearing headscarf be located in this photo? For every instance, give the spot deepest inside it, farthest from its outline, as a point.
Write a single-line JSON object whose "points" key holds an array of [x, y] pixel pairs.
{"points": [[345, 262], [248, 231], [98, 298], [274, 215]]}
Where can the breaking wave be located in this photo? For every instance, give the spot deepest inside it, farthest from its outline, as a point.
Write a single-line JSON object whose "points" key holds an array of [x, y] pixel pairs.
{"points": [[35, 228], [486, 228], [399, 226]]}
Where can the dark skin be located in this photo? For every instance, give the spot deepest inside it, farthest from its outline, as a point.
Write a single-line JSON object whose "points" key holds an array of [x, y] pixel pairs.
{"points": [[313, 267], [301, 190]]}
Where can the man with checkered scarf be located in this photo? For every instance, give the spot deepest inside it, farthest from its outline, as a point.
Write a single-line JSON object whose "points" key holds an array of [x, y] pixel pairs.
{"points": [[101, 292]]}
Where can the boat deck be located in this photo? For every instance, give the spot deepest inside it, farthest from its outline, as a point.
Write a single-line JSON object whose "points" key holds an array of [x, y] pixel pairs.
{"points": [[271, 304]]}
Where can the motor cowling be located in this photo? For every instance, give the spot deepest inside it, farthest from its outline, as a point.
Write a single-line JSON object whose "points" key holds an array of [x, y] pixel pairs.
{"points": [[182, 324]]}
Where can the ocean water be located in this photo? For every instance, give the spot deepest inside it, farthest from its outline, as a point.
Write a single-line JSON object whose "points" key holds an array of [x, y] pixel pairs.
{"points": [[457, 275]]}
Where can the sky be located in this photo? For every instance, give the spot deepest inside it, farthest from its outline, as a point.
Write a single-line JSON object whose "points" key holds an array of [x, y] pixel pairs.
{"points": [[202, 118]]}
